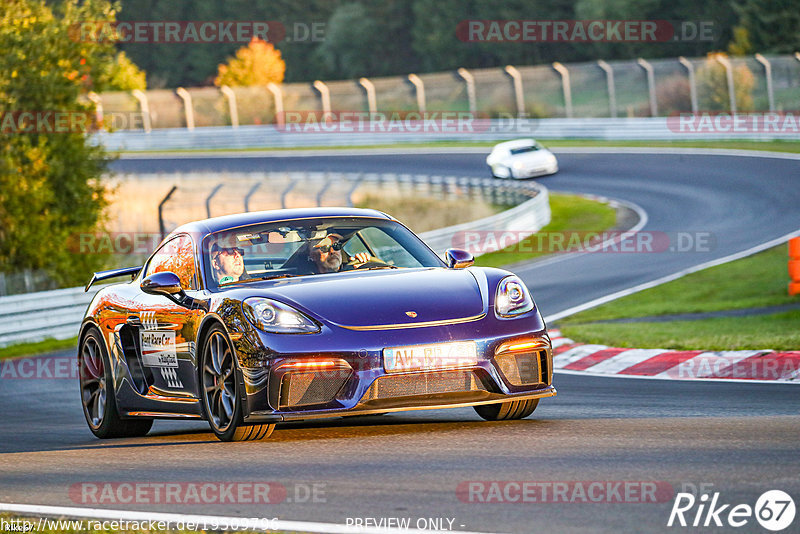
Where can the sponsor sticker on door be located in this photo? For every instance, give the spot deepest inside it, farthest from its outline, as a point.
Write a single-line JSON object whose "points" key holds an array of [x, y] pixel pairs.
{"points": [[158, 348]]}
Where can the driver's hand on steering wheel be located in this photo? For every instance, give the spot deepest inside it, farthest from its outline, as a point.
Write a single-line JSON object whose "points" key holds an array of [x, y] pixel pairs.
{"points": [[362, 257]]}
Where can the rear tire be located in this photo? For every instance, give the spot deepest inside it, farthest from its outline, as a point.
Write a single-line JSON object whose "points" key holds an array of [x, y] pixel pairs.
{"points": [[97, 392], [504, 411], [220, 392]]}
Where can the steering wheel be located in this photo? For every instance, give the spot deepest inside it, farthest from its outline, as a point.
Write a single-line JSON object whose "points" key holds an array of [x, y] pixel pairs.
{"points": [[372, 262]]}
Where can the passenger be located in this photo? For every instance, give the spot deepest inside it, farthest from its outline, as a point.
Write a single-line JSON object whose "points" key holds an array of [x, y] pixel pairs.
{"points": [[228, 263]]}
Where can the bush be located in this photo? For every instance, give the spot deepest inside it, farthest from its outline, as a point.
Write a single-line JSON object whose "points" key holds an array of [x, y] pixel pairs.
{"points": [[674, 95], [712, 85]]}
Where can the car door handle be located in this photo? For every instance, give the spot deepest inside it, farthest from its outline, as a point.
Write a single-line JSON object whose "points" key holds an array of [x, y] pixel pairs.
{"points": [[134, 320]]}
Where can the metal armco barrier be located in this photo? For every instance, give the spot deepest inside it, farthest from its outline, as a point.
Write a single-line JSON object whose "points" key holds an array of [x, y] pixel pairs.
{"points": [[268, 136]]}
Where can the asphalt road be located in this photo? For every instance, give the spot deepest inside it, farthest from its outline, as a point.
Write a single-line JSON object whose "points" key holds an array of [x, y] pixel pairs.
{"points": [[737, 439]]}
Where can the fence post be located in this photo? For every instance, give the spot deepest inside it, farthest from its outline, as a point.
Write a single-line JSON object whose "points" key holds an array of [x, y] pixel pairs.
{"points": [[187, 106], [519, 95], [250, 194], [768, 73], [164, 200], [208, 199], [725, 62], [285, 192], [692, 83], [565, 86], [98, 108], [144, 107], [612, 91], [324, 95], [420, 90], [469, 79], [3, 290], [323, 189], [230, 96], [277, 94], [651, 85], [353, 188], [369, 88]]}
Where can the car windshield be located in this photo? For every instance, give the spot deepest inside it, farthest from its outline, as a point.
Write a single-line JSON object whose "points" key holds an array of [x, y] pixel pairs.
{"points": [[308, 247], [524, 149]]}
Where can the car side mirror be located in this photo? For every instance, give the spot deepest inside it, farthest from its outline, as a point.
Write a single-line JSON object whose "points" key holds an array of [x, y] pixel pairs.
{"points": [[165, 283], [458, 259]]}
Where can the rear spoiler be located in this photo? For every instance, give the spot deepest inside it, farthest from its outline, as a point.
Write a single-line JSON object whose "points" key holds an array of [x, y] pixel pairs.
{"points": [[113, 273]]}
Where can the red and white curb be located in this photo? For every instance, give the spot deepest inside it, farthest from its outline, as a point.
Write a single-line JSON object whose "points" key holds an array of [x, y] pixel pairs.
{"points": [[752, 365]]}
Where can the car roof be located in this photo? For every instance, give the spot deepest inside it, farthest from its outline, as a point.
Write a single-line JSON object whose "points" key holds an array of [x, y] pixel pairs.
{"points": [[516, 143], [215, 224]]}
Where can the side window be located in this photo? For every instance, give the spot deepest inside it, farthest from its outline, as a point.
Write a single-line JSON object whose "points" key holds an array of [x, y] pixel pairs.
{"points": [[176, 255], [384, 247]]}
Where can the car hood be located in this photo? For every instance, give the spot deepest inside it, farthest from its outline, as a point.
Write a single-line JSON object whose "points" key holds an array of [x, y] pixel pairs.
{"points": [[388, 298]]}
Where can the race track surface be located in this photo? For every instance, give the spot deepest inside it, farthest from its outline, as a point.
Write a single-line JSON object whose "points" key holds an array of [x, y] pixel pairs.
{"points": [[738, 439]]}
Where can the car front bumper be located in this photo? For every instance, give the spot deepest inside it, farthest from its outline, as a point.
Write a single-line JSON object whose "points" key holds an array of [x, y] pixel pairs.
{"points": [[315, 384]]}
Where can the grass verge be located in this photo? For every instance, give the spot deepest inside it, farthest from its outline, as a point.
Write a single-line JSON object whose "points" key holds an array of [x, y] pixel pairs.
{"points": [[757, 281], [569, 213], [40, 347]]}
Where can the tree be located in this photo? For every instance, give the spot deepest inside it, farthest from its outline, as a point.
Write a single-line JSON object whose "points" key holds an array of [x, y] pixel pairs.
{"points": [[255, 64], [125, 75], [349, 49], [767, 27], [50, 189], [712, 84]]}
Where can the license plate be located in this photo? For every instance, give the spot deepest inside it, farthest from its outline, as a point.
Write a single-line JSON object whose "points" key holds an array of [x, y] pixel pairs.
{"points": [[434, 356]]}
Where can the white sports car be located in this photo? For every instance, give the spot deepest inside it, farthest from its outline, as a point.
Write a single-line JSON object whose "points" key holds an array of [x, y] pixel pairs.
{"points": [[521, 158]]}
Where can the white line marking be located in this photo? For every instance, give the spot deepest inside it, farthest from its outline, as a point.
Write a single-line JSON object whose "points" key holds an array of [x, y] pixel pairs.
{"points": [[620, 236], [234, 523], [670, 277]]}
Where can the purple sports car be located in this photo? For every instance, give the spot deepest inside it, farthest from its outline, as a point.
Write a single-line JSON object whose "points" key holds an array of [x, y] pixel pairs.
{"points": [[249, 320]]}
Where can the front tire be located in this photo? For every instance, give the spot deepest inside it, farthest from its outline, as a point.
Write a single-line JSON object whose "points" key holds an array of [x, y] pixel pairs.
{"points": [[504, 411], [221, 392], [97, 392]]}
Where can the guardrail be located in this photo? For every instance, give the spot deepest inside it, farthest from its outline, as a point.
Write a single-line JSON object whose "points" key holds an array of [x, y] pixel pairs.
{"points": [[34, 317], [57, 314], [614, 129]]}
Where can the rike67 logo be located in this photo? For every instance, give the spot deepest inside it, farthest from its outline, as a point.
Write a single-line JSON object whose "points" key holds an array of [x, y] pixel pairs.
{"points": [[774, 510]]}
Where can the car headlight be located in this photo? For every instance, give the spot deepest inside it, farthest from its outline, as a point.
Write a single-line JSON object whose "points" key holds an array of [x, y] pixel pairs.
{"points": [[273, 316], [512, 297]]}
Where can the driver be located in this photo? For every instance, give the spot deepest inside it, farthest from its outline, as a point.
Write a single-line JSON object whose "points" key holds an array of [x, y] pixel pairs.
{"points": [[326, 254], [228, 263]]}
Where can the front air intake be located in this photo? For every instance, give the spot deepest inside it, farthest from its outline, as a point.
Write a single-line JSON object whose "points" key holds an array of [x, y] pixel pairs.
{"points": [[524, 363]]}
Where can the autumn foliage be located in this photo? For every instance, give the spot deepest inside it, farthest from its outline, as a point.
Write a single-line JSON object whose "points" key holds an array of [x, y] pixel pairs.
{"points": [[258, 63]]}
